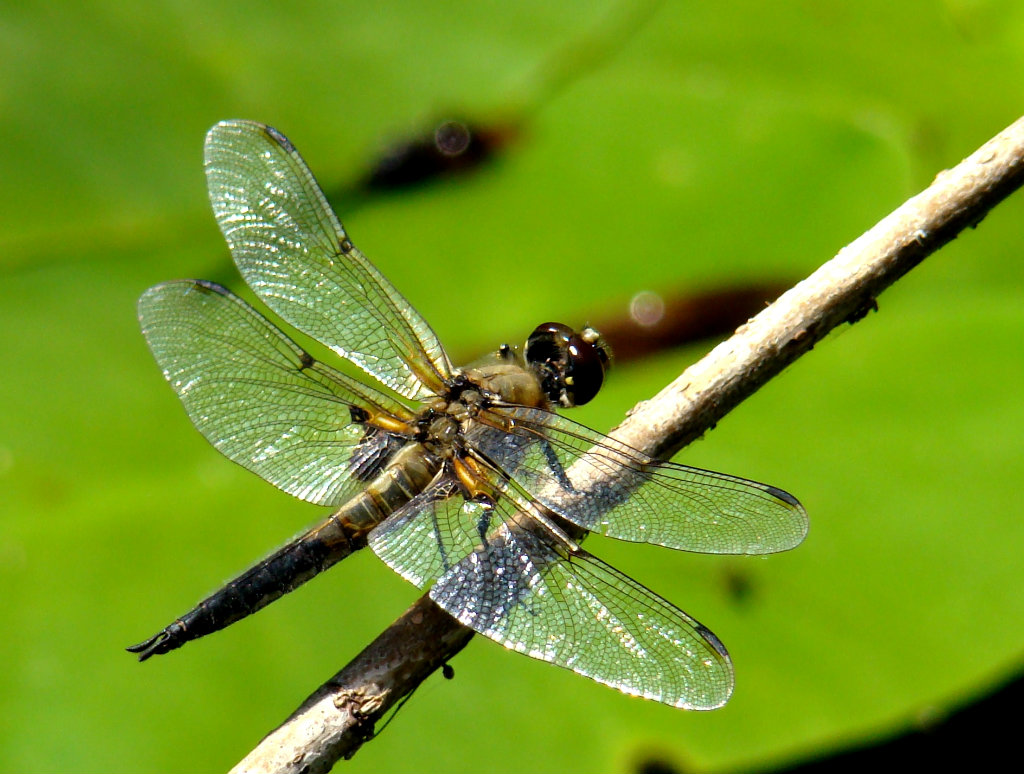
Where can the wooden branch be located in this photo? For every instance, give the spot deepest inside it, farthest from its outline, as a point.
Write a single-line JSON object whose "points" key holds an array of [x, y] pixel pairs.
{"points": [[340, 716], [335, 721]]}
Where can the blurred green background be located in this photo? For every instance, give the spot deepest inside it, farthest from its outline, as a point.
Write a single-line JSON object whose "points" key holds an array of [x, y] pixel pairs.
{"points": [[714, 143]]}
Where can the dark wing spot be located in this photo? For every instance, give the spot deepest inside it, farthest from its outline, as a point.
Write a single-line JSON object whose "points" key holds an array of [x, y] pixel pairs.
{"points": [[279, 138], [373, 453]]}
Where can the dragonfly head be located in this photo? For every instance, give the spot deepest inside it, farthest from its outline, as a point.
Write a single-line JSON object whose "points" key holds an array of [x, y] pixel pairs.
{"points": [[571, 364]]}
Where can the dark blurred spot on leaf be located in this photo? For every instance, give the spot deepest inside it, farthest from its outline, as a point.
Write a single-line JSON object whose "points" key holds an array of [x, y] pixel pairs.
{"points": [[654, 322], [450, 148], [650, 322], [739, 586], [656, 764]]}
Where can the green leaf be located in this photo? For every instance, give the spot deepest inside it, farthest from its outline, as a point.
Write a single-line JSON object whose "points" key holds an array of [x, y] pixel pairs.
{"points": [[716, 144]]}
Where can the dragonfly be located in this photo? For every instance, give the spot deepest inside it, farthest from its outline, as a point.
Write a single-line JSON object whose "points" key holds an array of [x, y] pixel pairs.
{"points": [[466, 481]]}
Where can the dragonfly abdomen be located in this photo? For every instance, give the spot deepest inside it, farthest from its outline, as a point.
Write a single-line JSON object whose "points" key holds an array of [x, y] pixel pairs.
{"points": [[406, 475], [409, 472]]}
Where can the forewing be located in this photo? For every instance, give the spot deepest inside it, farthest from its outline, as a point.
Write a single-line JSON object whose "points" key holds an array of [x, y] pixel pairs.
{"points": [[293, 252], [540, 595], [607, 487], [260, 399]]}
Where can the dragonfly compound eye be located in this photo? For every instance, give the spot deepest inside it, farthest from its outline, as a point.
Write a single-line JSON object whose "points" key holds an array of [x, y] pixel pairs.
{"points": [[571, 364]]}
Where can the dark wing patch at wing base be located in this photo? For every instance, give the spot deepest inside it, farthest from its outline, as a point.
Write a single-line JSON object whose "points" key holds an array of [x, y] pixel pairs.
{"points": [[432, 533], [533, 593]]}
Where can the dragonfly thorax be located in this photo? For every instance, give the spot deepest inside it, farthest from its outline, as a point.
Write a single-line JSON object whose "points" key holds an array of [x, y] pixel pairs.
{"points": [[441, 431], [507, 382]]}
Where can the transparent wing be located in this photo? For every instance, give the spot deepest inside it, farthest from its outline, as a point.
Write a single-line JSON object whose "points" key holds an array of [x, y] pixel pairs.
{"points": [[607, 487], [260, 399], [540, 595], [431, 533], [293, 252]]}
